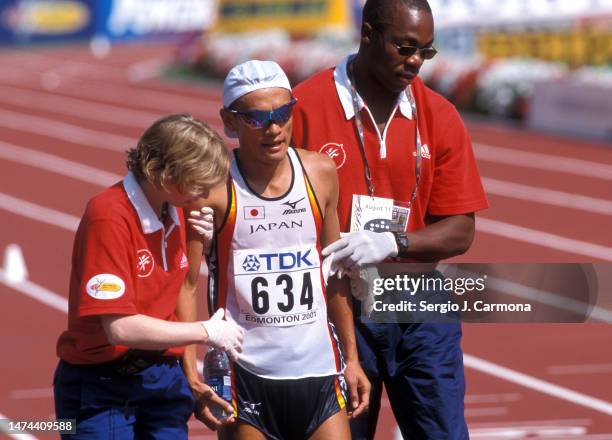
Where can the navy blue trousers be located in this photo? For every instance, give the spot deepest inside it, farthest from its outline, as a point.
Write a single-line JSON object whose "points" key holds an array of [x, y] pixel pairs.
{"points": [[421, 367], [155, 403]]}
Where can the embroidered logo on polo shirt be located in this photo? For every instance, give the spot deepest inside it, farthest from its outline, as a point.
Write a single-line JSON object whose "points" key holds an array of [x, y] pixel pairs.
{"points": [[184, 262], [105, 286], [424, 152], [335, 152], [145, 263]]}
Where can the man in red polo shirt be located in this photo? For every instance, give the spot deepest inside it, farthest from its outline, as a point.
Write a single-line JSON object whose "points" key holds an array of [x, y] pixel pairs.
{"points": [[393, 138], [119, 374]]}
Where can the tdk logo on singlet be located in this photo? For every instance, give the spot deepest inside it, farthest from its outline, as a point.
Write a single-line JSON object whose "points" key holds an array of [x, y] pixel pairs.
{"points": [[278, 261], [251, 264]]}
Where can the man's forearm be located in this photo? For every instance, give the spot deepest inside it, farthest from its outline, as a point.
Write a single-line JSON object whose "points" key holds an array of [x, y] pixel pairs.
{"points": [[444, 238], [186, 311], [340, 311]]}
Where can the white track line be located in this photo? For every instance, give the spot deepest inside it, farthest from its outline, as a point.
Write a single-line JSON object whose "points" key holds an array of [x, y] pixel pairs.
{"points": [[527, 431], [63, 131], [31, 393], [547, 196], [113, 114], [534, 383], [582, 437], [475, 399], [558, 370], [103, 91], [541, 161], [493, 411], [58, 165], [205, 108], [38, 213], [40, 64], [18, 436], [37, 292], [551, 422], [544, 239], [147, 69], [549, 298]]}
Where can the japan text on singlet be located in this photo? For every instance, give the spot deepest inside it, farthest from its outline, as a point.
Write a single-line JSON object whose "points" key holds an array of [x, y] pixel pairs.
{"points": [[269, 253]]}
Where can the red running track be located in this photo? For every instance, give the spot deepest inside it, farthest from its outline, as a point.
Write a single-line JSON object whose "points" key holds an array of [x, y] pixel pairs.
{"points": [[66, 117]]}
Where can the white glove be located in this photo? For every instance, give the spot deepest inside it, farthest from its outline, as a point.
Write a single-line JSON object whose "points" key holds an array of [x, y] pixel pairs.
{"points": [[202, 222], [225, 335], [360, 290], [361, 248], [326, 268], [359, 287]]}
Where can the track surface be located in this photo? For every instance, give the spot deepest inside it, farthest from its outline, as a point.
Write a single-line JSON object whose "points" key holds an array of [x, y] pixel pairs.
{"points": [[66, 117]]}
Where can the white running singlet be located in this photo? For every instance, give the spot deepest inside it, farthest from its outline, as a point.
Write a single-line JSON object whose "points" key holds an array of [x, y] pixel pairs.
{"points": [[266, 272]]}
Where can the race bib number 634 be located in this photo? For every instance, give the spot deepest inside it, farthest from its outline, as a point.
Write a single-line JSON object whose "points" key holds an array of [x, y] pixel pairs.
{"points": [[280, 287]]}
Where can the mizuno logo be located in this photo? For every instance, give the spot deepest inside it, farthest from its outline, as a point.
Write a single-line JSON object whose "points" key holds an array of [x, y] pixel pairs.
{"points": [[293, 209], [293, 205]]}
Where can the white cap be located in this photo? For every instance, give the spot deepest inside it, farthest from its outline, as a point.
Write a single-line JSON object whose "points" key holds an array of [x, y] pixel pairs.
{"points": [[250, 76]]}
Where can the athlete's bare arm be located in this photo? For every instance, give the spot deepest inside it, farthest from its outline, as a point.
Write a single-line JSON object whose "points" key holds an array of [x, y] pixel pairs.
{"points": [[322, 173], [188, 305]]}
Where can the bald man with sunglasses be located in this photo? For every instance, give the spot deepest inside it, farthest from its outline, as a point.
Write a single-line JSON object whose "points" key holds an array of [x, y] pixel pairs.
{"points": [[393, 138], [270, 221]]}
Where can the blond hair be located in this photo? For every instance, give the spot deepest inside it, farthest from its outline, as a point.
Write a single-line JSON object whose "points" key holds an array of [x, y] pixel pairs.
{"points": [[182, 149]]}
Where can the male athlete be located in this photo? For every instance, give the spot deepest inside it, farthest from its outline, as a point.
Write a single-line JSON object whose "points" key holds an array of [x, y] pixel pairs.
{"points": [[276, 212], [395, 139]]}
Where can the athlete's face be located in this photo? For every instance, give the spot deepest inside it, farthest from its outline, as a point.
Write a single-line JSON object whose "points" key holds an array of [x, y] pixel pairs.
{"points": [[406, 27], [269, 142]]}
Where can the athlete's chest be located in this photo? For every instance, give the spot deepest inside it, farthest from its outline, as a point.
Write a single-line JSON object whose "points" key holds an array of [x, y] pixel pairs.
{"points": [[285, 221]]}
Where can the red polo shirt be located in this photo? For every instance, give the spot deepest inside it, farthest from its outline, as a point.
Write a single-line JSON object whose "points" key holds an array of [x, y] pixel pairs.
{"points": [[323, 120], [125, 262]]}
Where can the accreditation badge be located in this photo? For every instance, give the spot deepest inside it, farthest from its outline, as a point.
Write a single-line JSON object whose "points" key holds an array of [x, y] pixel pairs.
{"points": [[378, 214]]}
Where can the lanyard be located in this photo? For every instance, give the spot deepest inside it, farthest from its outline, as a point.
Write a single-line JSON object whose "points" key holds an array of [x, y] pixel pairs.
{"points": [[360, 132]]}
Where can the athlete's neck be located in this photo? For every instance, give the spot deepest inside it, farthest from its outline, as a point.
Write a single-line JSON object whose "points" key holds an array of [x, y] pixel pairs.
{"points": [[380, 100], [268, 179]]}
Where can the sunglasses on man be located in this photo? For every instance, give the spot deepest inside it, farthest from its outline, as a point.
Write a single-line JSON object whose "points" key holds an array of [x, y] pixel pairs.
{"points": [[408, 50], [426, 53], [263, 118]]}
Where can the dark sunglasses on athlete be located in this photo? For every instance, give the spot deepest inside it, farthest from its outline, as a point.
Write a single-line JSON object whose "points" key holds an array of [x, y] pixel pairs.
{"points": [[263, 118], [426, 53]]}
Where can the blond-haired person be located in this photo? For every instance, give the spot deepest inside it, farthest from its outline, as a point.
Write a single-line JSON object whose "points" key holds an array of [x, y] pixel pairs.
{"points": [[119, 374]]}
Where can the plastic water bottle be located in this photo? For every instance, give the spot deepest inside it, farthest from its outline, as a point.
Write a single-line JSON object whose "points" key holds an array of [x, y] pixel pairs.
{"points": [[217, 376]]}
